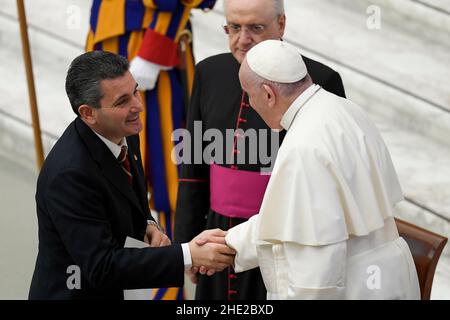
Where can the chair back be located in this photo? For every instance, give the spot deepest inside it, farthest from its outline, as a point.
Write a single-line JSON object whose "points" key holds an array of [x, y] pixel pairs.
{"points": [[426, 248]]}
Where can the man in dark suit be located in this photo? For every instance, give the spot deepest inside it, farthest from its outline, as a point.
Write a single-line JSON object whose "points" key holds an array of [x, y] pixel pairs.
{"points": [[224, 194], [91, 195]]}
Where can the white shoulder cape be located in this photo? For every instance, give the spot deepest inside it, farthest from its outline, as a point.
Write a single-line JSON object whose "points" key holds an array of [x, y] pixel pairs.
{"points": [[333, 177]]}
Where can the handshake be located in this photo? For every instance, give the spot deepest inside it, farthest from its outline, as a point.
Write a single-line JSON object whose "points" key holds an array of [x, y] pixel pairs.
{"points": [[209, 253]]}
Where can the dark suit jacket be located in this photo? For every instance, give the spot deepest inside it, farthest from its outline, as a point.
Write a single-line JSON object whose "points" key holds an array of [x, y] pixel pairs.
{"points": [[86, 208]]}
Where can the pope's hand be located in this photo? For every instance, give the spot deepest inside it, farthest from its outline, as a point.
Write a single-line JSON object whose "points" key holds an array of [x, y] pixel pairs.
{"points": [[213, 256], [213, 235]]}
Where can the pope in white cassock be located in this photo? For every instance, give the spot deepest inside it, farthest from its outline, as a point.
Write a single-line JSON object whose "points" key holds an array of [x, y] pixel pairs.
{"points": [[325, 229]]}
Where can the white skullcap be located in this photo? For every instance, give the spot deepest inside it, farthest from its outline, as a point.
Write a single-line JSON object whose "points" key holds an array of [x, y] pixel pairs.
{"points": [[277, 61]]}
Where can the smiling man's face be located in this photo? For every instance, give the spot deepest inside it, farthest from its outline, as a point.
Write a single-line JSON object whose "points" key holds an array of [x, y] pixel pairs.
{"points": [[121, 105]]}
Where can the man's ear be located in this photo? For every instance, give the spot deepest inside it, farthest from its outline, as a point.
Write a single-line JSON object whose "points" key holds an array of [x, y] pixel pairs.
{"points": [[270, 96], [87, 113], [282, 25]]}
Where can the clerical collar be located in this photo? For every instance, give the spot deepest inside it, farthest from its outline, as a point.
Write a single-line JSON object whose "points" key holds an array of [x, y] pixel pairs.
{"points": [[291, 113], [115, 148]]}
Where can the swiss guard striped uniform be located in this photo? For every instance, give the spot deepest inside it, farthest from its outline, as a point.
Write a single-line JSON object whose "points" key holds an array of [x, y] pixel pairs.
{"points": [[215, 195], [152, 29]]}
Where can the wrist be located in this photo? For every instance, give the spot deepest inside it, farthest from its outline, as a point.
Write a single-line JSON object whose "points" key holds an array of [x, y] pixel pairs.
{"points": [[155, 224]]}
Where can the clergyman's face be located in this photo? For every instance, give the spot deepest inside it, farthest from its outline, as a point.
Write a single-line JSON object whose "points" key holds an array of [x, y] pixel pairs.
{"points": [[249, 22], [121, 105]]}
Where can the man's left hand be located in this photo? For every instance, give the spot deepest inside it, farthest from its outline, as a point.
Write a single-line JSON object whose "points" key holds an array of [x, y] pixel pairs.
{"points": [[155, 238]]}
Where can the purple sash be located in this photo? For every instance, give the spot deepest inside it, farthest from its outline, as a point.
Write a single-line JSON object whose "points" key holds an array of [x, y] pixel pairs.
{"points": [[236, 193]]}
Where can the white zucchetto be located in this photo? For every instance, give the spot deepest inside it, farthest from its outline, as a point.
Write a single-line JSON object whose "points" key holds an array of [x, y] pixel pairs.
{"points": [[277, 61]]}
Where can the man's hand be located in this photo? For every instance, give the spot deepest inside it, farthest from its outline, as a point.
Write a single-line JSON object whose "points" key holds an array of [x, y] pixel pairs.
{"points": [[213, 254], [216, 236], [155, 238], [192, 274]]}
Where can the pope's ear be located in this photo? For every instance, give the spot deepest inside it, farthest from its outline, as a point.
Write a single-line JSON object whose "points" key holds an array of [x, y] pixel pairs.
{"points": [[270, 95], [282, 25], [87, 113]]}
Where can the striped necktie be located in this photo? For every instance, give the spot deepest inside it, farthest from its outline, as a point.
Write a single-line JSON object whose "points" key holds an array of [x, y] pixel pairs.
{"points": [[125, 163]]}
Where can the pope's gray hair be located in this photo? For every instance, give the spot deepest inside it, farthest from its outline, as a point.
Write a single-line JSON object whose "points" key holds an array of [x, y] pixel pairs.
{"points": [[285, 89], [278, 6]]}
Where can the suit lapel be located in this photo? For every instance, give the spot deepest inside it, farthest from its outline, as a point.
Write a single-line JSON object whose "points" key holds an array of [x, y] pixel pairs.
{"points": [[109, 166]]}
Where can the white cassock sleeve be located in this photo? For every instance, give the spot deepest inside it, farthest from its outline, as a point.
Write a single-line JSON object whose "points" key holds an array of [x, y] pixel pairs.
{"points": [[241, 238]]}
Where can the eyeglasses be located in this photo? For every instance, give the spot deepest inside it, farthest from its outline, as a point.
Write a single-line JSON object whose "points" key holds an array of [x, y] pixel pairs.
{"points": [[234, 29]]}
